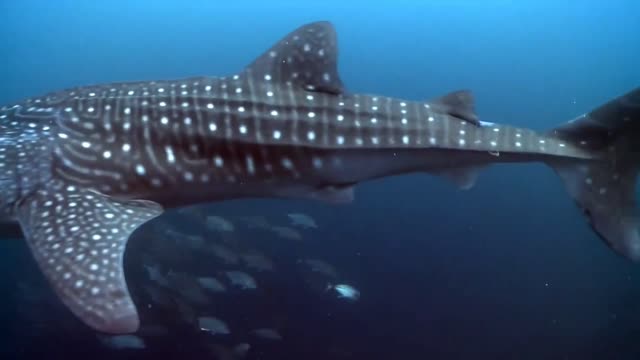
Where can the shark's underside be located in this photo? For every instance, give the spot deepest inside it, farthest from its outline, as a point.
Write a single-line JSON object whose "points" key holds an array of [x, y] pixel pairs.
{"points": [[83, 168]]}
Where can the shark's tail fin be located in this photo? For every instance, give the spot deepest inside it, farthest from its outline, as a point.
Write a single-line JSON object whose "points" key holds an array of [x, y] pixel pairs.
{"points": [[604, 188]]}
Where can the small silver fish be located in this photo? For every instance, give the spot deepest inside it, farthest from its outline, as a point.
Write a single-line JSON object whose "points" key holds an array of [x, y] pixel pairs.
{"points": [[287, 233], [241, 279], [217, 223], [319, 266], [345, 291], [213, 325], [224, 254], [302, 220], [212, 284], [155, 275]]}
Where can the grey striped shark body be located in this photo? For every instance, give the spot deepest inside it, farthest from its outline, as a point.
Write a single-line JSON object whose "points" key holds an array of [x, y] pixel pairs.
{"points": [[83, 168]]}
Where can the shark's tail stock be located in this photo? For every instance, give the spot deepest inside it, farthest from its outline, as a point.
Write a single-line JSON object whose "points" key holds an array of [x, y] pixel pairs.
{"points": [[604, 188]]}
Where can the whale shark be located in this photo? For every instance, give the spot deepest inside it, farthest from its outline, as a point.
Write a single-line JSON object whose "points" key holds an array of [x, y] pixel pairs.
{"points": [[82, 168]]}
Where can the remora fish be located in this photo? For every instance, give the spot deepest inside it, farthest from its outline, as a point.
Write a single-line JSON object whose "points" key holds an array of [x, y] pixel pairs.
{"points": [[83, 168]]}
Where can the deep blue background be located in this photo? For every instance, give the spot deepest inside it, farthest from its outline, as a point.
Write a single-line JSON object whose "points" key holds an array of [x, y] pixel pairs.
{"points": [[444, 273]]}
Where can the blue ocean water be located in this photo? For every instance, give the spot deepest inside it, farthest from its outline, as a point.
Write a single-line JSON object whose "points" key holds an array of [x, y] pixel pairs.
{"points": [[507, 270]]}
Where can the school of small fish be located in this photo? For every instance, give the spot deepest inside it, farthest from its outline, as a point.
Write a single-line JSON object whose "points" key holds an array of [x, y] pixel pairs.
{"points": [[191, 268]]}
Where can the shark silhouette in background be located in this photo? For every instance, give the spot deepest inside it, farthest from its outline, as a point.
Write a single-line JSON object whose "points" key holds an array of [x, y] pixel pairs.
{"points": [[82, 168]]}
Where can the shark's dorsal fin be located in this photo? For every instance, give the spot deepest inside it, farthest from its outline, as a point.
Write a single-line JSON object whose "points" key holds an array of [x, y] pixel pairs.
{"points": [[459, 104], [306, 58], [78, 237]]}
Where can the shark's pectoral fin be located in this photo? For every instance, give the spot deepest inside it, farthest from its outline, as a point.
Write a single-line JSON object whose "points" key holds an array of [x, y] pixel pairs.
{"points": [[464, 177], [78, 238], [459, 104]]}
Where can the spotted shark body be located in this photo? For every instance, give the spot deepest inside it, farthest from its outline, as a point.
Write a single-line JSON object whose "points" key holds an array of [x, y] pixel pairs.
{"points": [[81, 169]]}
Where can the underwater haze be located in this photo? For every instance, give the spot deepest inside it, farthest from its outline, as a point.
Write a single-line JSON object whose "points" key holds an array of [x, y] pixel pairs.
{"points": [[414, 268]]}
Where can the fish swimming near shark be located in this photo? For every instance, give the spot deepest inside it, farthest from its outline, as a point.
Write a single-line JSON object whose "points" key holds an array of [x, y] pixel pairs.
{"points": [[81, 169]]}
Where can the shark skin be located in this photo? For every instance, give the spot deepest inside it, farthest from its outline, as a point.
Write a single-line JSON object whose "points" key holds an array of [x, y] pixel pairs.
{"points": [[83, 168]]}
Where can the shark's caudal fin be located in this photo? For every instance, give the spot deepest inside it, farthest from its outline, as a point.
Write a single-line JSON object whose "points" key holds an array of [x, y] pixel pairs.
{"points": [[604, 188]]}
